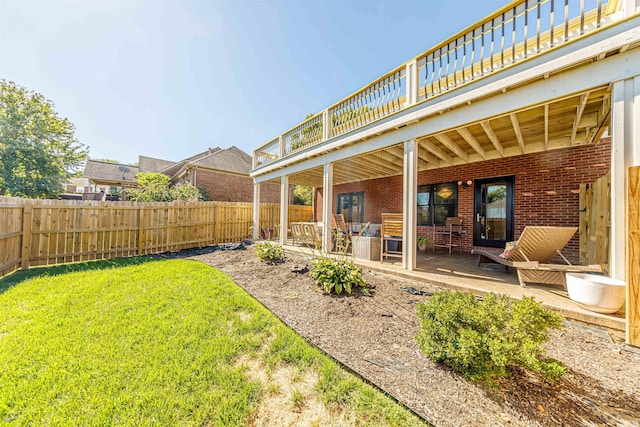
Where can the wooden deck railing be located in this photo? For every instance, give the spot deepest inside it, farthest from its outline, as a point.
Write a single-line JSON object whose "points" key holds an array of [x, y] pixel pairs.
{"points": [[43, 232], [518, 31]]}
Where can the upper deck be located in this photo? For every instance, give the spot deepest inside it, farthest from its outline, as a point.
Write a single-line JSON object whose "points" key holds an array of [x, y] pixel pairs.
{"points": [[506, 49]]}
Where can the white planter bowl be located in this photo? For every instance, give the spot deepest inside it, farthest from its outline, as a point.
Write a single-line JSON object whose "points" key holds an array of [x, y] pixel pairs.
{"points": [[596, 293]]}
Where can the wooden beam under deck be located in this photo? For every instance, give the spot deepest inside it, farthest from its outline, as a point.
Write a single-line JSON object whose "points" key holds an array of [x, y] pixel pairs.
{"points": [[582, 103], [486, 126], [472, 141], [452, 146], [517, 130]]}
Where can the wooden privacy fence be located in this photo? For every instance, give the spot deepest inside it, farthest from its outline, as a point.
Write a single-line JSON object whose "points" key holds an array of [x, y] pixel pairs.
{"points": [[43, 232], [595, 221]]}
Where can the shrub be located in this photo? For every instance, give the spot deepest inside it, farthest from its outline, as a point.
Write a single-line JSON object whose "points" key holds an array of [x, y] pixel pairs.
{"points": [[337, 275], [270, 252], [480, 339]]}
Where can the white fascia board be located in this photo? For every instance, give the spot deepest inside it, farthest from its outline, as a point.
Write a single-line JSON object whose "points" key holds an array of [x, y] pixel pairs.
{"points": [[606, 40]]}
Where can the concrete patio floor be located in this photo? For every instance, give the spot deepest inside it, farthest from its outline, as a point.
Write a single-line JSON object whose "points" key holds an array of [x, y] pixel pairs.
{"points": [[461, 272]]}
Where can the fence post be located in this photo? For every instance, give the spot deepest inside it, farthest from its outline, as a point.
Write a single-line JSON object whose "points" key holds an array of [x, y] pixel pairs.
{"points": [[27, 219], [142, 219], [633, 258]]}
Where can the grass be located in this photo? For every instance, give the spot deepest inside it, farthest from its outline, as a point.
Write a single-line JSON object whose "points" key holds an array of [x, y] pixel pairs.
{"points": [[141, 341]]}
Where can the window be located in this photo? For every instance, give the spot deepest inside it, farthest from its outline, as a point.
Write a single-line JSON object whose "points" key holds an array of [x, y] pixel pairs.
{"points": [[436, 202], [351, 205]]}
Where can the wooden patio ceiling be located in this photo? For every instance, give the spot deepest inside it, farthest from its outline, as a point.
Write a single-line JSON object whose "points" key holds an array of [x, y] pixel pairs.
{"points": [[575, 120]]}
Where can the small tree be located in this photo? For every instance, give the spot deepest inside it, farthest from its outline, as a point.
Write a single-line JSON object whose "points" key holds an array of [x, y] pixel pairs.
{"points": [[156, 187], [38, 148]]}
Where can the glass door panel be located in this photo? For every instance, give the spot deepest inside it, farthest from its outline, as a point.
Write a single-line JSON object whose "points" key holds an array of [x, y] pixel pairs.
{"points": [[493, 212]]}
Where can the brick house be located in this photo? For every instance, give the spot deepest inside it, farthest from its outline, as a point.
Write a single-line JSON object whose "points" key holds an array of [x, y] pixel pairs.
{"points": [[499, 124], [223, 173]]}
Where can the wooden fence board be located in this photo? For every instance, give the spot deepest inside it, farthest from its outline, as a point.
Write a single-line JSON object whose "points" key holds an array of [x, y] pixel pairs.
{"points": [[42, 232], [595, 221], [10, 238], [633, 258]]}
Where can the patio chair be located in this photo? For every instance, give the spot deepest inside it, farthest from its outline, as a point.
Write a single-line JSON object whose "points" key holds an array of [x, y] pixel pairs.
{"points": [[390, 231], [532, 253], [448, 235], [341, 232]]}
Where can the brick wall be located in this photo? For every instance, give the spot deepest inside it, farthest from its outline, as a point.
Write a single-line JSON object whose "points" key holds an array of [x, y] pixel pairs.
{"points": [[227, 187], [546, 188]]}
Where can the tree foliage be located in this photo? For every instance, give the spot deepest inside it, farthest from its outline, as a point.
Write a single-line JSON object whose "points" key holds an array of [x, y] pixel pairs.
{"points": [[302, 195], [38, 148], [156, 187]]}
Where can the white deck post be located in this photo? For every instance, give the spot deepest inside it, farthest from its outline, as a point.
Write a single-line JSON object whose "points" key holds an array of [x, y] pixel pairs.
{"points": [[327, 125], [256, 210], [411, 78], [281, 147], [625, 152], [327, 205], [284, 208], [409, 201], [628, 7]]}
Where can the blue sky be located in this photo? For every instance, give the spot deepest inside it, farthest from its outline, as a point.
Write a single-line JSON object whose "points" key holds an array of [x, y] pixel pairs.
{"points": [[169, 79]]}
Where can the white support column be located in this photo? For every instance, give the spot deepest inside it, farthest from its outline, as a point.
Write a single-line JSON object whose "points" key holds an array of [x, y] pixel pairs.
{"points": [[409, 202], [284, 208], [625, 152], [633, 145], [256, 210], [327, 207]]}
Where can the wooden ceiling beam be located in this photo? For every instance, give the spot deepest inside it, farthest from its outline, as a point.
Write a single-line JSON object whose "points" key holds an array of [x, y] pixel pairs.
{"points": [[602, 119], [486, 126], [387, 160], [365, 164], [397, 152], [383, 162], [582, 102], [452, 146], [546, 127], [516, 128], [466, 134], [434, 149]]}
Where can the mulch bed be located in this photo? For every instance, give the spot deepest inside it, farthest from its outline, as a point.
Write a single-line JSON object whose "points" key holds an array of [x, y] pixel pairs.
{"points": [[375, 336]]}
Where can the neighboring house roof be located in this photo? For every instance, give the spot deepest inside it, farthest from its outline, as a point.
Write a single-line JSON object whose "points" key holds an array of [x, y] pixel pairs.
{"points": [[110, 173], [230, 159], [150, 164]]}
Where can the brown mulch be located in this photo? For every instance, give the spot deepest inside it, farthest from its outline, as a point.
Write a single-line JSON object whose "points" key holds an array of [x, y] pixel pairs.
{"points": [[375, 337]]}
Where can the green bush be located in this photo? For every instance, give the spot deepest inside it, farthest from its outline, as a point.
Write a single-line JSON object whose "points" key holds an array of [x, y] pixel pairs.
{"points": [[337, 275], [481, 338], [270, 252]]}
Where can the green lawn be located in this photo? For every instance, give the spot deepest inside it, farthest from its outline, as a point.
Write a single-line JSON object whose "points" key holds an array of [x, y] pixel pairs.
{"points": [[141, 342]]}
